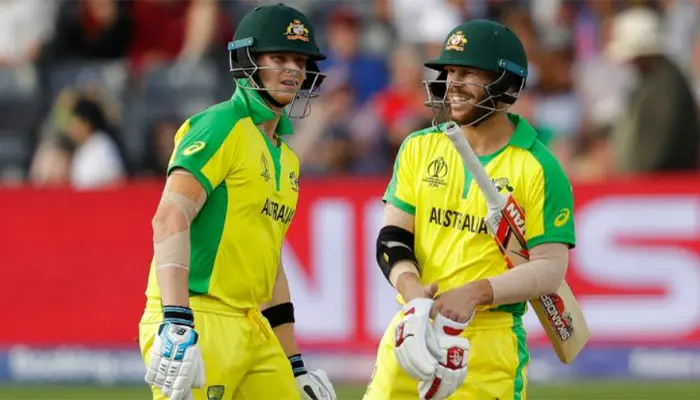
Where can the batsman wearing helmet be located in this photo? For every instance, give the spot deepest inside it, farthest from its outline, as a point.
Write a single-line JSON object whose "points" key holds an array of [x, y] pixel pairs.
{"points": [[460, 331], [218, 321]]}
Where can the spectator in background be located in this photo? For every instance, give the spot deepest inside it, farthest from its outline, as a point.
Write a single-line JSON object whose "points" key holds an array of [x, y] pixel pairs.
{"points": [[659, 129], [399, 109], [324, 144], [367, 73], [24, 27], [91, 29], [169, 30], [160, 144], [425, 23], [97, 160]]}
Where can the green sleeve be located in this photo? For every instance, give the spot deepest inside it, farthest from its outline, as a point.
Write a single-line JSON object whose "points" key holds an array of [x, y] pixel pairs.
{"points": [[205, 147], [400, 191], [550, 203]]}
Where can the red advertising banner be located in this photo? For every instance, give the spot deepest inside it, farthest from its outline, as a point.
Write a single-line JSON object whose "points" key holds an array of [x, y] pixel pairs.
{"points": [[75, 264]]}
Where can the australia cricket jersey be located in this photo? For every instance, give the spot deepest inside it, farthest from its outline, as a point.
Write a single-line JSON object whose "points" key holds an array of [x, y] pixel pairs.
{"points": [[452, 243], [252, 190]]}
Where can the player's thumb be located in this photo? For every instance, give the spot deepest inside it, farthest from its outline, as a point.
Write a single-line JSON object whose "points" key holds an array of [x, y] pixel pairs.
{"points": [[431, 290]]}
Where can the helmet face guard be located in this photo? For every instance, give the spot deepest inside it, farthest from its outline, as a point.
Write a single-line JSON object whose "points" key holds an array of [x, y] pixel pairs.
{"points": [[242, 65], [506, 89]]}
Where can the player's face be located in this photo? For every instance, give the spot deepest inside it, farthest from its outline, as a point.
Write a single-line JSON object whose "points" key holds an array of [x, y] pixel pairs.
{"points": [[465, 89], [282, 75]]}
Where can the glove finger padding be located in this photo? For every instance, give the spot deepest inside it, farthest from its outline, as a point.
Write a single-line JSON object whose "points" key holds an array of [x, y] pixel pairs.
{"points": [[410, 346], [199, 376], [315, 385], [175, 364], [451, 352]]}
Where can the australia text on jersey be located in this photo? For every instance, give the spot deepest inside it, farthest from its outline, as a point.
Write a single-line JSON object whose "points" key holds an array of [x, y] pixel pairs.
{"points": [[457, 220], [278, 212]]}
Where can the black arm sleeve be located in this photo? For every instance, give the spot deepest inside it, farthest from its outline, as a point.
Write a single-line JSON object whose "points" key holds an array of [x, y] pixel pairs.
{"points": [[394, 244]]}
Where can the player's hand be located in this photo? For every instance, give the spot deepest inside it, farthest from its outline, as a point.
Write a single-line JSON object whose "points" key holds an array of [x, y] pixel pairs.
{"points": [[315, 385], [410, 345], [459, 304], [451, 352], [176, 365]]}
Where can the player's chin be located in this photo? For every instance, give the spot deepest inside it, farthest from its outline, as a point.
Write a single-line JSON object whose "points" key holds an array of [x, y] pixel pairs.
{"points": [[283, 96], [461, 114]]}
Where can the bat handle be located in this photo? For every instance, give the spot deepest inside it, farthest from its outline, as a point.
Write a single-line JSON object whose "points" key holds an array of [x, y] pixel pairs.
{"points": [[493, 198]]}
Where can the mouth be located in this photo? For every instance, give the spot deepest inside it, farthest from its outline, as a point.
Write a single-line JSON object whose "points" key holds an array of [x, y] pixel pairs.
{"points": [[289, 84], [458, 101]]}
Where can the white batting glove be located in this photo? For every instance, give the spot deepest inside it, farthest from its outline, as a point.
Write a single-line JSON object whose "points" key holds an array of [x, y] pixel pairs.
{"points": [[315, 385], [451, 352], [176, 365], [410, 345]]}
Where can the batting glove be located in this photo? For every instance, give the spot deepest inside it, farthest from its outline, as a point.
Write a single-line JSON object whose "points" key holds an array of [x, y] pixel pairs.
{"points": [[410, 345], [176, 365], [451, 352], [313, 385]]}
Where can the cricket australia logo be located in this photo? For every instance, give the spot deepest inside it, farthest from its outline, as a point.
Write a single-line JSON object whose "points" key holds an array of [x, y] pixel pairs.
{"points": [[437, 171], [265, 166], [215, 392], [503, 183], [297, 31], [294, 181], [456, 42]]}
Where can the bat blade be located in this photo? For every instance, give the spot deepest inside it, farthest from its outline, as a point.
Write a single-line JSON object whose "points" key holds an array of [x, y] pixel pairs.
{"points": [[559, 313]]}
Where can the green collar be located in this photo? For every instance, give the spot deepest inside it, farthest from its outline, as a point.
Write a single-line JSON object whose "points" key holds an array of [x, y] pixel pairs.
{"points": [[251, 101], [524, 135]]}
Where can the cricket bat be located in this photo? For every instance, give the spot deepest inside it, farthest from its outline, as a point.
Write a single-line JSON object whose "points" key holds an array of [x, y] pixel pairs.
{"points": [[559, 313]]}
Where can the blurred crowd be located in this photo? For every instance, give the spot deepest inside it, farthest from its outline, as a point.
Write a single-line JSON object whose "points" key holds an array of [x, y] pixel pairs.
{"points": [[93, 91]]}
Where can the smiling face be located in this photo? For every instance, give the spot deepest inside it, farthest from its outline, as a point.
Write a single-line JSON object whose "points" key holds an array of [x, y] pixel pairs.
{"points": [[465, 90], [282, 75]]}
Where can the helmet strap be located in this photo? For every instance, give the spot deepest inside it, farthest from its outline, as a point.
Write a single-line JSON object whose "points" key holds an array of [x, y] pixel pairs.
{"points": [[264, 93]]}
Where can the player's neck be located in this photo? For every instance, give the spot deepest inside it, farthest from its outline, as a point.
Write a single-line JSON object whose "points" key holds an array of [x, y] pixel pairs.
{"points": [[491, 135], [269, 127]]}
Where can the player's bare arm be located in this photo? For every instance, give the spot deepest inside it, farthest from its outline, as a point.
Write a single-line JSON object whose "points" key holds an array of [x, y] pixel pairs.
{"points": [[395, 255], [180, 203], [279, 311], [543, 274]]}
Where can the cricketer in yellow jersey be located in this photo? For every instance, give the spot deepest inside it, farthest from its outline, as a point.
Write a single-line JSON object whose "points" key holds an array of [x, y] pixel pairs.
{"points": [[435, 249], [218, 321]]}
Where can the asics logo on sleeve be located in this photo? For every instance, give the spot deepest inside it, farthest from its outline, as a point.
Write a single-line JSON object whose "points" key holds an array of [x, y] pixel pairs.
{"points": [[193, 148], [562, 218]]}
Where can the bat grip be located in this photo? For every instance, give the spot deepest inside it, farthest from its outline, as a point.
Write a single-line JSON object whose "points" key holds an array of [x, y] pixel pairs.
{"points": [[470, 159]]}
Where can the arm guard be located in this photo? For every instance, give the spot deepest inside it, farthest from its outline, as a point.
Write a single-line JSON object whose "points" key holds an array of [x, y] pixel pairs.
{"points": [[394, 245]]}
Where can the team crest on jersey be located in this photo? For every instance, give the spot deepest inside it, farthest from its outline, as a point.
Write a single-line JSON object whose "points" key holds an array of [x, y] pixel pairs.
{"points": [[456, 42], [265, 167], [437, 171], [215, 392], [503, 183], [294, 181], [297, 31]]}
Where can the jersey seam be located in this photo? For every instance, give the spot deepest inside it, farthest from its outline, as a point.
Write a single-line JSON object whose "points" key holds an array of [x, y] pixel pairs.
{"points": [[197, 173], [551, 238], [400, 204]]}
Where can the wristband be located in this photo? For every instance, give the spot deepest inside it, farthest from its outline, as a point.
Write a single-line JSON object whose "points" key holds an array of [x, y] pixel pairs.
{"points": [[297, 365], [178, 315]]}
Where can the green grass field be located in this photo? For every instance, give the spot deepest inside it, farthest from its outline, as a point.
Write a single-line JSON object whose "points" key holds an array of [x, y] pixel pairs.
{"points": [[590, 390]]}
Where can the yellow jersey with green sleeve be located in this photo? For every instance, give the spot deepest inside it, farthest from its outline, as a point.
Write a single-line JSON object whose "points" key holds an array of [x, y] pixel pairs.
{"points": [[452, 243], [252, 189]]}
